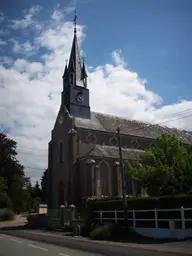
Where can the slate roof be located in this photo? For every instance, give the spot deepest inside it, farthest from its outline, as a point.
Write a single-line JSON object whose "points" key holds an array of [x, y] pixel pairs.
{"points": [[109, 123], [113, 152], [75, 61]]}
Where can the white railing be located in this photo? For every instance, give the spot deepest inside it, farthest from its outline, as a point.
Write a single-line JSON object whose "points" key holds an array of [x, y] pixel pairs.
{"points": [[134, 219]]}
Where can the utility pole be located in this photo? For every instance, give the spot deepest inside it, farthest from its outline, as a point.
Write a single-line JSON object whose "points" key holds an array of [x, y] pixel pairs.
{"points": [[122, 179]]}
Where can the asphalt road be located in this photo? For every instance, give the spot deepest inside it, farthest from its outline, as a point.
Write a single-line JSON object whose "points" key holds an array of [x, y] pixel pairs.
{"points": [[21, 242], [11, 246]]}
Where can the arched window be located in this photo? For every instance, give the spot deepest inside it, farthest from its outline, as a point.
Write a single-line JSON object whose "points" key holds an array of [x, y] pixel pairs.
{"points": [[105, 178]]}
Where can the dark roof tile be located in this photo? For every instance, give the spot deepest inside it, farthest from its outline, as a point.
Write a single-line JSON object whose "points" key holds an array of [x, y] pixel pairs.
{"points": [[109, 123], [113, 152]]}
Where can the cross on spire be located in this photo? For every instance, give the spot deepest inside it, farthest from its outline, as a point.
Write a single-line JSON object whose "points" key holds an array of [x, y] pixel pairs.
{"points": [[75, 22]]}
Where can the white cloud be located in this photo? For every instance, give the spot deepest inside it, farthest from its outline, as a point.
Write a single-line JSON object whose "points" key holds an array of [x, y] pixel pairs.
{"points": [[57, 15], [4, 60], [25, 87], [2, 42], [118, 59], [24, 48], [28, 20]]}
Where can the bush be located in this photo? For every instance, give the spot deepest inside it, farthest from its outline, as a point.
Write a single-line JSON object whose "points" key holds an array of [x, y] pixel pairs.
{"points": [[109, 232], [166, 202], [5, 201], [8, 215], [142, 203], [87, 228]]}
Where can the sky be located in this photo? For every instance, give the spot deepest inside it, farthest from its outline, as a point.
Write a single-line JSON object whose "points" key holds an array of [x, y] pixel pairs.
{"points": [[137, 53]]}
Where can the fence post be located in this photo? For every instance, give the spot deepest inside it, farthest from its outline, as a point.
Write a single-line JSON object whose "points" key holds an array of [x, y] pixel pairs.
{"points": [[134, 222], [156, 218], [116, 216], [101, 217], [183, 217]]}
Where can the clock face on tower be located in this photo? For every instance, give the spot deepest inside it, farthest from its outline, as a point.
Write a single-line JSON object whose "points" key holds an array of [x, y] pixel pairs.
{"points": [[60, 119], [80, 97]]}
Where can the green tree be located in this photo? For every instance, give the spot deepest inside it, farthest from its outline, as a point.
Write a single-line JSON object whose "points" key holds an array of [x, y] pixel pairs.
{"points": [[36, 190], [165, 169], [3, 186], [5, 201], [44, 186], [29, 201], [12, 171]]}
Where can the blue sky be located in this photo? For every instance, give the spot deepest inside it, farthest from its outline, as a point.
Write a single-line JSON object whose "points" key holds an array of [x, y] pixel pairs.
{"points": [[154, 36], [138, 54]]}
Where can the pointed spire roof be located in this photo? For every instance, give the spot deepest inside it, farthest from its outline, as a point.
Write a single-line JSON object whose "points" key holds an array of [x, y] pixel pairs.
{"points": [[83, 71], [65, 74], [74, 60]]}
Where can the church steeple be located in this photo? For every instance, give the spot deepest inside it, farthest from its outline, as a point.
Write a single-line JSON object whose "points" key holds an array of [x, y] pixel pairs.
{"points": [[65, 74], [75, 95], [84, 74], [74, 67]]}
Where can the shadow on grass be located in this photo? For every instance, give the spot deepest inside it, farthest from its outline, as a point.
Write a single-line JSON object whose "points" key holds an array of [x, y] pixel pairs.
{"points": [[122, 235]]}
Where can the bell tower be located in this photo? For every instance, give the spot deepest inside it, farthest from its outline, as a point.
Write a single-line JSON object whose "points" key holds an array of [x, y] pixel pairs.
{"points": [[75, 95]]}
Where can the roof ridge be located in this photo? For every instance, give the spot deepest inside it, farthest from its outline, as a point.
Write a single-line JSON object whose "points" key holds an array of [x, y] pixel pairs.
{"points": [[88, 152], [110, 146], [141, 122]]}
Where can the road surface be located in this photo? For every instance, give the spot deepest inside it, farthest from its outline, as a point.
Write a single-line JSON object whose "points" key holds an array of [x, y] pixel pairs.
{"points": [[31, 243], [11, 246]]}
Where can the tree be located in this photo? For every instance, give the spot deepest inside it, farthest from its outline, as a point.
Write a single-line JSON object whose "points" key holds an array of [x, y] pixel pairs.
{"points": [[36, 190], [165, 169], [44, 186], [29, 202], [11, 171], [5, 201], [3, 186]]}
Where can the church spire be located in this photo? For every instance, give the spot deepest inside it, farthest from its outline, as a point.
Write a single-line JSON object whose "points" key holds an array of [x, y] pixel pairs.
{"points": [[84, 74], [75, 23], [75, 94], [74, 67], [65, 74]]}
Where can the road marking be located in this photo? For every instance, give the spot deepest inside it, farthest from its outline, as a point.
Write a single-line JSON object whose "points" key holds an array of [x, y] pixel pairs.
{"points": [[63, 254], [17, 241], [38, 247]]}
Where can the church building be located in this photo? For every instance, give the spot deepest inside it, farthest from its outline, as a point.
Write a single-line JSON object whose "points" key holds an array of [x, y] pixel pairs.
{"points": [[83, 157]]}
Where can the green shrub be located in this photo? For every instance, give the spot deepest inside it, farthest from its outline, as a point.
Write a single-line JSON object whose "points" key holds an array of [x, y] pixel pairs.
{"points": [[5, 201], [87, 228], [141, 203], [31, 210], [8, 215], [109, 232]]}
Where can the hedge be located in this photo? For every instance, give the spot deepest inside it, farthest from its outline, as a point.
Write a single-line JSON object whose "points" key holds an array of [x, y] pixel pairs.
{"points": [[141, 203]]}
